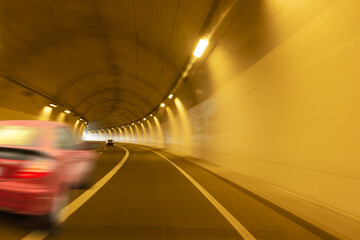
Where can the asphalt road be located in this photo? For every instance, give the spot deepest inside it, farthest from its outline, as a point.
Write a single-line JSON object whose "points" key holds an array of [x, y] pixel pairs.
{"points": [[149, 198]]}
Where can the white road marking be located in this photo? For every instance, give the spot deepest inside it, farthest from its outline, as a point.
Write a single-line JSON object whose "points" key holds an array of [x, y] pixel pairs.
{"points": [[229, 217], [79, 201]]}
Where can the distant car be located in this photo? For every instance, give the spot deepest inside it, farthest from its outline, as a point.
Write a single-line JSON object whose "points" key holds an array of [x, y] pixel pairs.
{"points": [[109, 142], [39, 162]]}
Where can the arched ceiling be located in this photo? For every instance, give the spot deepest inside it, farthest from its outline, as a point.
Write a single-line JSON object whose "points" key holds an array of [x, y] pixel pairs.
{"points": [[112, 61]]}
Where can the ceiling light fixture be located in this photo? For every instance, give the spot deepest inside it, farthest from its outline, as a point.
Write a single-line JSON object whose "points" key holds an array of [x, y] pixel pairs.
{"points": [[151, 115], [67, 111], [162, 105], [52, 105], [170, 96], [200, 48]]}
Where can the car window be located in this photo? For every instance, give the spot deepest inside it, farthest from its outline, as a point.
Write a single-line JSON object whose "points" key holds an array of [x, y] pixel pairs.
{"points": [[19, 136], [64, 139]]}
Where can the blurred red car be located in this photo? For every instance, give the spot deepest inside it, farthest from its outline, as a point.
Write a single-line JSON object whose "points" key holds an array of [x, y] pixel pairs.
{"points": [[39, 162]]}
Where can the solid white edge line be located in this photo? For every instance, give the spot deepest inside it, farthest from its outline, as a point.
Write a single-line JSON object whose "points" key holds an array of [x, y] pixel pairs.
{"points": [[80, 200], [228, 216]]}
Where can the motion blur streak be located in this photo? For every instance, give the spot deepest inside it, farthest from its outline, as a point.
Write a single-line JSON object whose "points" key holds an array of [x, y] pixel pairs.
{"points": [[39, 162]]}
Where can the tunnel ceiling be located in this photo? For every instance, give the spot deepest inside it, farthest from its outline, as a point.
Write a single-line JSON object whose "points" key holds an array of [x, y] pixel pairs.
{"points": [[112, 62]]}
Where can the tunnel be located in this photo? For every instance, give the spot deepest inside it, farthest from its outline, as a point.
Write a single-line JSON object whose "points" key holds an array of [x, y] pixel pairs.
{"points": [[238, 119]]}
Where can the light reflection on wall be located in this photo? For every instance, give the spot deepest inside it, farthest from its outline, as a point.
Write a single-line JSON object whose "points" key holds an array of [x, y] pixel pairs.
{"points": [[126, 139], [132, 134], [151, 131], [77, 130], [114, 134], [100, 135], [138, 138], [81, 130], [159, 140], [45, 113], [120, 135], [179, 131], [185, 126], [172, 136], [145, 140], [110, 133], [61, 117]]}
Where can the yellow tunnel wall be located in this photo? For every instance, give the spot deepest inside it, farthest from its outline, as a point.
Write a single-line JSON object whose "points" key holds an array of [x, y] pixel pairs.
{"points": [[277, 99]]}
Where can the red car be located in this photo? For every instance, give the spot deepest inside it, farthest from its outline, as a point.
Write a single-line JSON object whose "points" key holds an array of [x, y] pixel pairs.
{"points": [[39, 162]]}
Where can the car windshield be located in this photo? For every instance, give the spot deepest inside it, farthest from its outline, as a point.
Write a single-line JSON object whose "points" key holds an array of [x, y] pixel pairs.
{"points": [[18, 136]]}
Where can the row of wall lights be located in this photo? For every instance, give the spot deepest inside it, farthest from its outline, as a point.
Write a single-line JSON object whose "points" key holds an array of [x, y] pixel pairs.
{"points": [[65, 111], [199, 50]]}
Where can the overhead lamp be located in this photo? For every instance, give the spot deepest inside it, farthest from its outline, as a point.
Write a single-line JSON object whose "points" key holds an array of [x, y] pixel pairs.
{"points": [[144, 119], [52, 105], [67, 111], [170, 96], [133, 123], [151, 115], [200, 48], [162, 105], [85, 122], [81, 119], [138, 121]]}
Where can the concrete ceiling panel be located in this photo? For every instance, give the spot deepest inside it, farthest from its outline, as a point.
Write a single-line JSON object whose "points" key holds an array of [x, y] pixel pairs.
{"points": [[111, 61]]}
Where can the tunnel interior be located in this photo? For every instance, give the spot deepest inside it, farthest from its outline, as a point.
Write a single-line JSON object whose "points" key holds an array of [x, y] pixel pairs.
{"points": [[272, 100]]}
